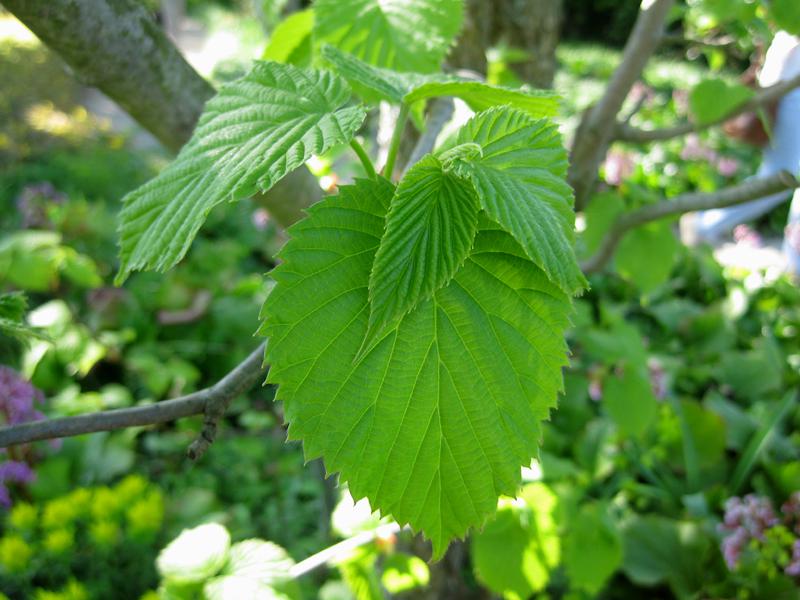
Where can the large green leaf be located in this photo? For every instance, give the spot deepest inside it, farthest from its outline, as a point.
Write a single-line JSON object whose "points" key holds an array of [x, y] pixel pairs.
{"points": [[647, 254], [430, 227], [481, 96], [592, 549], [520, 181], [436, 421], [255, 131], [405, 35], [630, 401]]}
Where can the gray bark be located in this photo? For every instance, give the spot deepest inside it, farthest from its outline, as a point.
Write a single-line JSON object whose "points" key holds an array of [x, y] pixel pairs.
{"points": [[116, 46], [532, 25]]}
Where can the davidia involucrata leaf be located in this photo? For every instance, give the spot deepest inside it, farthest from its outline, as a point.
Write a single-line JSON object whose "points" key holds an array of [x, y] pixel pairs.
{"points": [[252, 133], [433, 423]]}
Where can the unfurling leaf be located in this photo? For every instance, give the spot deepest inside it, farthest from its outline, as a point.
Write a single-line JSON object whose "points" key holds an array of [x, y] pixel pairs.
{"points": [[520, 181], [251, 134], [436, 420], [430, 227]]}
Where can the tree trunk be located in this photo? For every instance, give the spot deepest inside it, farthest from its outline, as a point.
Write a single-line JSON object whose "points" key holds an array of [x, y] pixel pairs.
{"points": [[531, 25], [116, 46]]}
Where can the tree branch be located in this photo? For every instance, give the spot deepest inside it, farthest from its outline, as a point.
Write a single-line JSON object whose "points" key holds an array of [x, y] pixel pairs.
{"points": [[598, 125], [117, 47], [440, 113], [627, 133], [211, 401], [744, 192]]}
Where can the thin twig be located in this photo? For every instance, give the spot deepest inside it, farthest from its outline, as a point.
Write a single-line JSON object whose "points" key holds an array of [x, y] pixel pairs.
{"points": [[209, 401], [394, 145], [628, 133], [598, 125], [440, 113], [738, 194], [341, 550]]}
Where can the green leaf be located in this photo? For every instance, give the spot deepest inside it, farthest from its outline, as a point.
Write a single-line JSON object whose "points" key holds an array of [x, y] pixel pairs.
{"points": [[592, 549], [515, 552], [712, 99], [13, 306], [374, 83], [760, 441], [786, 14], [430, 228], [290, 42], [630, 402], [195, 555], [404, 35], [481, 96], [233, 587], [520, 181], [437, 420], [359, 572], [403, 572], [656, 550], [601, 213], [252, 133], [647, 254]]}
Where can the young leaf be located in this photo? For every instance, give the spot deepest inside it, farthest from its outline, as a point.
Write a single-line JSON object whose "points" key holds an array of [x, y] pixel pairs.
{"points": [[430, 227], [256, 130], [13, 306], [406, 35], [435, 422], [520, 180], [481, 96]]}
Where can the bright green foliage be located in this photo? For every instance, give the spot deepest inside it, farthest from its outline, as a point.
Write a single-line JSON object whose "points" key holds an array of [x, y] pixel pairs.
{"points": [[480, 96], [360, 574], [403, 572], [406, 35], [592, 549], [435, 422], [255, 131], [520, 181], [290, 42], [374, 83], [647, 254], [430, 228], [516, 551], [603, 210], [786, 14], [712, 99], [630, 402]]}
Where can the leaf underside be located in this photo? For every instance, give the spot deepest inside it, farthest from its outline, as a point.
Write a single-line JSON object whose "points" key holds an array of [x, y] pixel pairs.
{"points": [[433, 423], [251, 134], [405, 35]]}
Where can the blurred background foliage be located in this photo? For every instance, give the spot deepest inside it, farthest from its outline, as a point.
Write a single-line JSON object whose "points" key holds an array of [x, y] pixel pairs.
{"points": [[674, 453]]}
